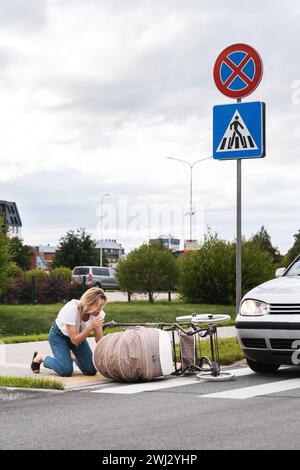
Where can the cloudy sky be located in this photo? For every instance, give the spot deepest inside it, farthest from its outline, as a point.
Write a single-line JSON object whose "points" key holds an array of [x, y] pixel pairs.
{"points": [[95, 94]]}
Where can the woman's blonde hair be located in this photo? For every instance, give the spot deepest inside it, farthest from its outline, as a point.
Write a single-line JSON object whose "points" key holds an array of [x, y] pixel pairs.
{"points": [[92, 296]]}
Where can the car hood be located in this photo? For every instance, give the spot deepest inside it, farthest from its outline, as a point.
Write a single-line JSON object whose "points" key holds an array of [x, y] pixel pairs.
{"points": [[281, 290]]}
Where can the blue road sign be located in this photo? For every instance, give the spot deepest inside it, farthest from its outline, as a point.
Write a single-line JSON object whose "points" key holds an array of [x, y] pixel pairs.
{"points": [[239, 131]]}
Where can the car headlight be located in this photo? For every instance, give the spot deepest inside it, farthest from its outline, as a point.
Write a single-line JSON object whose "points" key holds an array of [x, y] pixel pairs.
{"points": [[254, 307]]}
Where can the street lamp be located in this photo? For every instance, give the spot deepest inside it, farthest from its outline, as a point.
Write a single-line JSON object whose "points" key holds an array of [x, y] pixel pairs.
{"points": [[191, 165], [101, 225]]}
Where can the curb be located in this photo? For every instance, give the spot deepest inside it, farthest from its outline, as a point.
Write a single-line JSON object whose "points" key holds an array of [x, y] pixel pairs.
{"points": [[30, 390]]}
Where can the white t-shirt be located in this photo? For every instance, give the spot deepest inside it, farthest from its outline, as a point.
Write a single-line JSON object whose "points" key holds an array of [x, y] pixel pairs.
{"points": [[69, 315]]}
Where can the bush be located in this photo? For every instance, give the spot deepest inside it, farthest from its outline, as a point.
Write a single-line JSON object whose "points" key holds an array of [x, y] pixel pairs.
{"points": [[37, 273], [62, 273], [19, 291], [48, 289], [258, 265], [208, 275]]}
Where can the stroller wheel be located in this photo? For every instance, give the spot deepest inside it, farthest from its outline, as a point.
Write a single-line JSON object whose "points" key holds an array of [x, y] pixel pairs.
{"points": [[221, 377]]}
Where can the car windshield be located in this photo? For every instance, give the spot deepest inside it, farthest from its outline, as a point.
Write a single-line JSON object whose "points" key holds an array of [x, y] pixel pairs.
{"points": [[294, 270]]}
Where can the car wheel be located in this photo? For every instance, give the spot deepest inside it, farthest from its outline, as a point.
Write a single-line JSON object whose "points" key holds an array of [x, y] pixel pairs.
{"points": [[262, 367], [98, 284]]}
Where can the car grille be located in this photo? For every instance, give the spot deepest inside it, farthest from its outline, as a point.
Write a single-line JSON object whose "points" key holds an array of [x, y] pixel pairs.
{"points": [[279, 343], [279, 309], [283, 354], [258, 343]]}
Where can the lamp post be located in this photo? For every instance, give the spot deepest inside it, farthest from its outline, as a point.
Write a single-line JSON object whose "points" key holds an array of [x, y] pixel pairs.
{"points": [[191, 165], [101, 225]]}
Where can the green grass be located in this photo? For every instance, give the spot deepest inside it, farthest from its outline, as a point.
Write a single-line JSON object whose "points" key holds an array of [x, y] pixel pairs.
{"points": [[229, 350], [24, 320], [26, 382], [23, 339]]}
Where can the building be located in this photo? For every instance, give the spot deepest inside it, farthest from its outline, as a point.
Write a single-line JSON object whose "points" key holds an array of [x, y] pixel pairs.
{"points": [[113, 251], [42, 257], [11, 218], [191, 245], [168, 241]]}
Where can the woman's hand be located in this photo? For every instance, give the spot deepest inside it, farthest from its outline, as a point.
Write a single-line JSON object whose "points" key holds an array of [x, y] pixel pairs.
{"points": [[97, 323], [97, 326]]}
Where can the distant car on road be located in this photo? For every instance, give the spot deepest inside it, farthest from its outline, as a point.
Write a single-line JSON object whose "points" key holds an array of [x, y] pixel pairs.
{"points": [[95, 276], [268, 322]]}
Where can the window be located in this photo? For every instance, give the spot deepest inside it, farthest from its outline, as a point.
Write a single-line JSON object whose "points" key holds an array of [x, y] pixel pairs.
{"points": [[81, 271], [294, 270], [101, 271]]}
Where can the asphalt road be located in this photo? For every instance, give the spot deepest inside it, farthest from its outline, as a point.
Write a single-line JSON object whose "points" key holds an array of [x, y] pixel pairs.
{"points": [[179, 417]]}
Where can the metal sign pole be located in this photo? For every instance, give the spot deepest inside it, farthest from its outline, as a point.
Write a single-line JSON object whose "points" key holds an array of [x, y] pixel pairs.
{"points": [[228, 131], [239, 235], [238, 231]]}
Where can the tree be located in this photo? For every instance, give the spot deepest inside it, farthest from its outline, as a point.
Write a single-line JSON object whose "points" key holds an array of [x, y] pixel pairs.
{"points": [[20, 253], [147, 269], [77, 248], [294, 251], [263, 239], [5, 262]]}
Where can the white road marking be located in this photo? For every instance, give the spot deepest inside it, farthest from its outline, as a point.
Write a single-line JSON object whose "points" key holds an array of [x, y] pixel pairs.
{"points": [[241, 372], [256, 390], [160, 384], [129, 389]]}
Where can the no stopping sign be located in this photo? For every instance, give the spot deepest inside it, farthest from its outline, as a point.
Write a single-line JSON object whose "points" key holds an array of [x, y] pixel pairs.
{"points": [[238, 70]]}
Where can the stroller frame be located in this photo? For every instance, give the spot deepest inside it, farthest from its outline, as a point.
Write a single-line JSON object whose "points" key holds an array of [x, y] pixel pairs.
{"points": [[202, 363]]}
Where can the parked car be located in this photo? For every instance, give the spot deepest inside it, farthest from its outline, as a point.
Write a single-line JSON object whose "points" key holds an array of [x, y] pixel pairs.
{"points": [[95, 276], [268, 322]]}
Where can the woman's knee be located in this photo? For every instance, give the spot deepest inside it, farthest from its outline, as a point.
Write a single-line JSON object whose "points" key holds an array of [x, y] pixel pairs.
{"points": [[66, 371], [89, 370]]}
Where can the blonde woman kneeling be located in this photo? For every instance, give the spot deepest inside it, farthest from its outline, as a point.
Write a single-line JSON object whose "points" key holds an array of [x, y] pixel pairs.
{"points": [[69, 334]]}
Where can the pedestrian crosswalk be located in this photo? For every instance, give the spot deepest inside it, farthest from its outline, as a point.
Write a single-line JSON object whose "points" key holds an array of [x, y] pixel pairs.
{"points": [[236, 391], [256, 390], [160, 384]]}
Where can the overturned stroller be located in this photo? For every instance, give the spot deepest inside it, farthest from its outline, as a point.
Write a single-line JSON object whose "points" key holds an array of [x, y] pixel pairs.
{"points": [[145, 351]]}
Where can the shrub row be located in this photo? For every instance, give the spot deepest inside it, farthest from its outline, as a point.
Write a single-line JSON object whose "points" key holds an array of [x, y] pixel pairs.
{"points": [[42, 288]]}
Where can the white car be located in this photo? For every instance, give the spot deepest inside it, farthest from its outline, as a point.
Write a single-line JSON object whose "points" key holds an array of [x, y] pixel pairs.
{"points": [[268, 322]]}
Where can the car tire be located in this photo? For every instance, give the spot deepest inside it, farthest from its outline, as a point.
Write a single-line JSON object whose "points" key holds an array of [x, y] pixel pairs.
{"points": [[98, 285], [262, 366]]}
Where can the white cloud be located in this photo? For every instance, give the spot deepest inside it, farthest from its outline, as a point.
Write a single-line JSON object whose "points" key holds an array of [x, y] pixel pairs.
{"points": [[100, 92]]}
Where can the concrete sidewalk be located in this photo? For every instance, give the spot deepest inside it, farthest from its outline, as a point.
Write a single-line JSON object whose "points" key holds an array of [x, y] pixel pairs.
{"points": [[15, 361]]}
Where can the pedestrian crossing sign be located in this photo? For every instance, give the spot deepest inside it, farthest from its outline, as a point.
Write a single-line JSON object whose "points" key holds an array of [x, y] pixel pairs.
{"points": [[239, 131]]}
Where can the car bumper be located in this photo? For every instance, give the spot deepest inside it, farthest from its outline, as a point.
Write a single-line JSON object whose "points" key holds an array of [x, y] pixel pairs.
{"points": [[270, 341]]}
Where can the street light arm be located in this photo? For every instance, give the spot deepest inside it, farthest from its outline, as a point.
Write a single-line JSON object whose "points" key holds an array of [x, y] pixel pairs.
{"points": [[201, 160], [191, 165], [179, 160]]}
